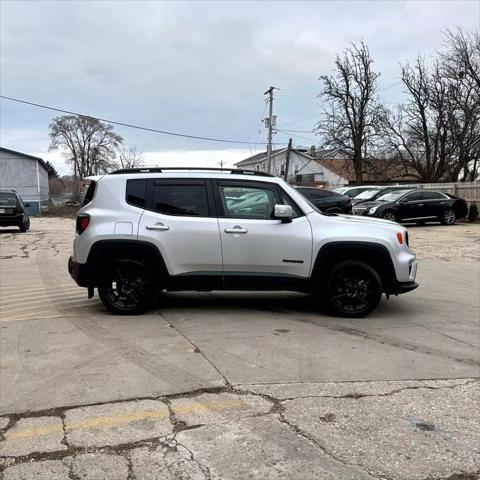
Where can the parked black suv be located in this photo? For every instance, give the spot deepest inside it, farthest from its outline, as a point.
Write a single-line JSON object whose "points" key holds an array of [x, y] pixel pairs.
{"points": [[13, 211]]}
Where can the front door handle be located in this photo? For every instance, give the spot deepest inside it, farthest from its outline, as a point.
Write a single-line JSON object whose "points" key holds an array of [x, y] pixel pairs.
{"points": [[420, 204], [236, 229], [158, 226]]}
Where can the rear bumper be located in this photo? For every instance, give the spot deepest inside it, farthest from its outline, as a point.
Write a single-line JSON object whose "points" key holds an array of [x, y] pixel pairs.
{"points": [[79, 272], [7, 220]]}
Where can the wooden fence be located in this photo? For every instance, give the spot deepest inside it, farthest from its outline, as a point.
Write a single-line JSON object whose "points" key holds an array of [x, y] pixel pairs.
{"points": [[470, 191]]}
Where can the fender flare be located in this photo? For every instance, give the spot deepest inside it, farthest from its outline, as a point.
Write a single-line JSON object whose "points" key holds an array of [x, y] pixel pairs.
{"points": [[375, 254]]}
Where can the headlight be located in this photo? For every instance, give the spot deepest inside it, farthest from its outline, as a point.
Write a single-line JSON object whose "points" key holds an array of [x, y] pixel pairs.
{"points": [[373, 210]]}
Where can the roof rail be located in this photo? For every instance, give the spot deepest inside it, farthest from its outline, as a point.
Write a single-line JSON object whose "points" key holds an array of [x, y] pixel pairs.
{"points": [[234, 171]]}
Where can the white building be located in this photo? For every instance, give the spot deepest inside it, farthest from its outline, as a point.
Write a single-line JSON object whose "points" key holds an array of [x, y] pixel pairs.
{"points": [[302, 168], [27, 175]]}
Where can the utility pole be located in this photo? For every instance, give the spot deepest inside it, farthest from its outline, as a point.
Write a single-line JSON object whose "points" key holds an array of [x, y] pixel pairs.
{"points": [[269, 92], [287, 160]]}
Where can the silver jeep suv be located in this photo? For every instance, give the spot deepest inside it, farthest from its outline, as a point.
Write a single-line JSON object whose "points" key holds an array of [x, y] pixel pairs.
{"points": [[141, 231]]}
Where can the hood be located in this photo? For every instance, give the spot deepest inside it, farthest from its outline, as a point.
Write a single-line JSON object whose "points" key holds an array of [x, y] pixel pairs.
{"points": [[368, 220], [373, 203], [357, 220]]}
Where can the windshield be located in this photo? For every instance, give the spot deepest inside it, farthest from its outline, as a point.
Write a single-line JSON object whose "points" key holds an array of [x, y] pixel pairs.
{"points": [[367, 194], [8, 199], [392, 196]]}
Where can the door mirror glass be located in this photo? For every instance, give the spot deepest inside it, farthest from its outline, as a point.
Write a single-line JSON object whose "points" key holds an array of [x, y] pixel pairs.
{"points": [[283, 212]]}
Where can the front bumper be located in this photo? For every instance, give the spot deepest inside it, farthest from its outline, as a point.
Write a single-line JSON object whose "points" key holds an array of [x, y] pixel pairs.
{"points": [[80, 273], [402, 287]]}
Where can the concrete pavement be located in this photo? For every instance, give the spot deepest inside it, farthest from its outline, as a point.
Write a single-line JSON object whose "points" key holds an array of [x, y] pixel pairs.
{"points": [[237, 385]]}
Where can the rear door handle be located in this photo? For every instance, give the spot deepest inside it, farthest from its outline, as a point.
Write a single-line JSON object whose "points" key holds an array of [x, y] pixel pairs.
{"points": [[158, 226], [236, 229]]}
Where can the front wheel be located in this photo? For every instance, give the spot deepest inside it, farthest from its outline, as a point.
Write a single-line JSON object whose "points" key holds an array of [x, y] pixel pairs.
{"points": [[128, 288], [389, 215], [448, 217], [354, 289]]}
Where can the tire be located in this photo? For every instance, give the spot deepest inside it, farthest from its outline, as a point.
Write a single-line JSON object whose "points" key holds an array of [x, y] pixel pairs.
{"points": [[353, 289], [389, 215], [448, 217], [24, 226], [129, 288]]}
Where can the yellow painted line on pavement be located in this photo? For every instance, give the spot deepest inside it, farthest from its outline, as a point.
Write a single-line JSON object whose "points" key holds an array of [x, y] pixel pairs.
{"points": [[120, 419]]}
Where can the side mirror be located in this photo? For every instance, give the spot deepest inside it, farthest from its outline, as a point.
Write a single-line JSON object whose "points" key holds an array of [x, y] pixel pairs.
{"points": [[284, 213]]}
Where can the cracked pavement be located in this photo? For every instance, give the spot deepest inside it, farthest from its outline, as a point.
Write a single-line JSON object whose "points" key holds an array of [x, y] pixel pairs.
{"points": [[237, 385]]}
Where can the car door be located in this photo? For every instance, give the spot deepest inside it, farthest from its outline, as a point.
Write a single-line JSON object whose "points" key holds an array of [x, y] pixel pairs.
{"points": [[412, 205], [435, 203], [179, 219], [253, 242]]}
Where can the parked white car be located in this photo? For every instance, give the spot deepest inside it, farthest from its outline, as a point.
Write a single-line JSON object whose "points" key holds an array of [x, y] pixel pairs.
{"points": [[141, 231]]}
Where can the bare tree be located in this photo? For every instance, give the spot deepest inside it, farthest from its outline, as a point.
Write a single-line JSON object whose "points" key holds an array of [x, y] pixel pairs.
{"points": [[434, 131], [129, 157], [353, 114], [86, 142], [462, 55]]}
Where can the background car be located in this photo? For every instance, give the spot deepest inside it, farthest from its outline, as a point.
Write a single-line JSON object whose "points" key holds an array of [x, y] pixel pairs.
{"points": [[354, 191], [13, 212], [373, 193], [418, 206], [326, 200]]}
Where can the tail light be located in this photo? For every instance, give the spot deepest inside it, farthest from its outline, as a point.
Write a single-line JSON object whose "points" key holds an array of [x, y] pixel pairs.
{"points": [[83, 221]]}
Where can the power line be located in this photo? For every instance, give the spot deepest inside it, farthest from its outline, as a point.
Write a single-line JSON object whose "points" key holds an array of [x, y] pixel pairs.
{"points": [[284, 132], [303, 119], [298, 131], [390, 86], [259, 128], [309, 94], [122, 124]]}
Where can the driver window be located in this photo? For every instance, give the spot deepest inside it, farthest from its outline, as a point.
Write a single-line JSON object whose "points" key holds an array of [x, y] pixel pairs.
{"points": [[248, 202]]}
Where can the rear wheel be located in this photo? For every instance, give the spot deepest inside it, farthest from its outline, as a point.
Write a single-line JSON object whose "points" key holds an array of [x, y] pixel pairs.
{"points": [[448, 217], [389, 215], [354, 289], [25, 225], [128, 288]]}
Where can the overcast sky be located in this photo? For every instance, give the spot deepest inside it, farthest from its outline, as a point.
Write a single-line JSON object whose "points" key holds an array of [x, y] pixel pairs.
{"points": [[198, 67]]}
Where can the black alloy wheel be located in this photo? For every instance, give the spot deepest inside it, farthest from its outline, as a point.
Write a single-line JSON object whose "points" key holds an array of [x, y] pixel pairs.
{"points": [[128, 288], [354, 289]]}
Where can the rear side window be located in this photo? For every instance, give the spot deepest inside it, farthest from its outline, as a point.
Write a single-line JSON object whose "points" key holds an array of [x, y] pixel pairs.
{"points": [[89, 194], [433, 196], [180, 199], [136, 192]]}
